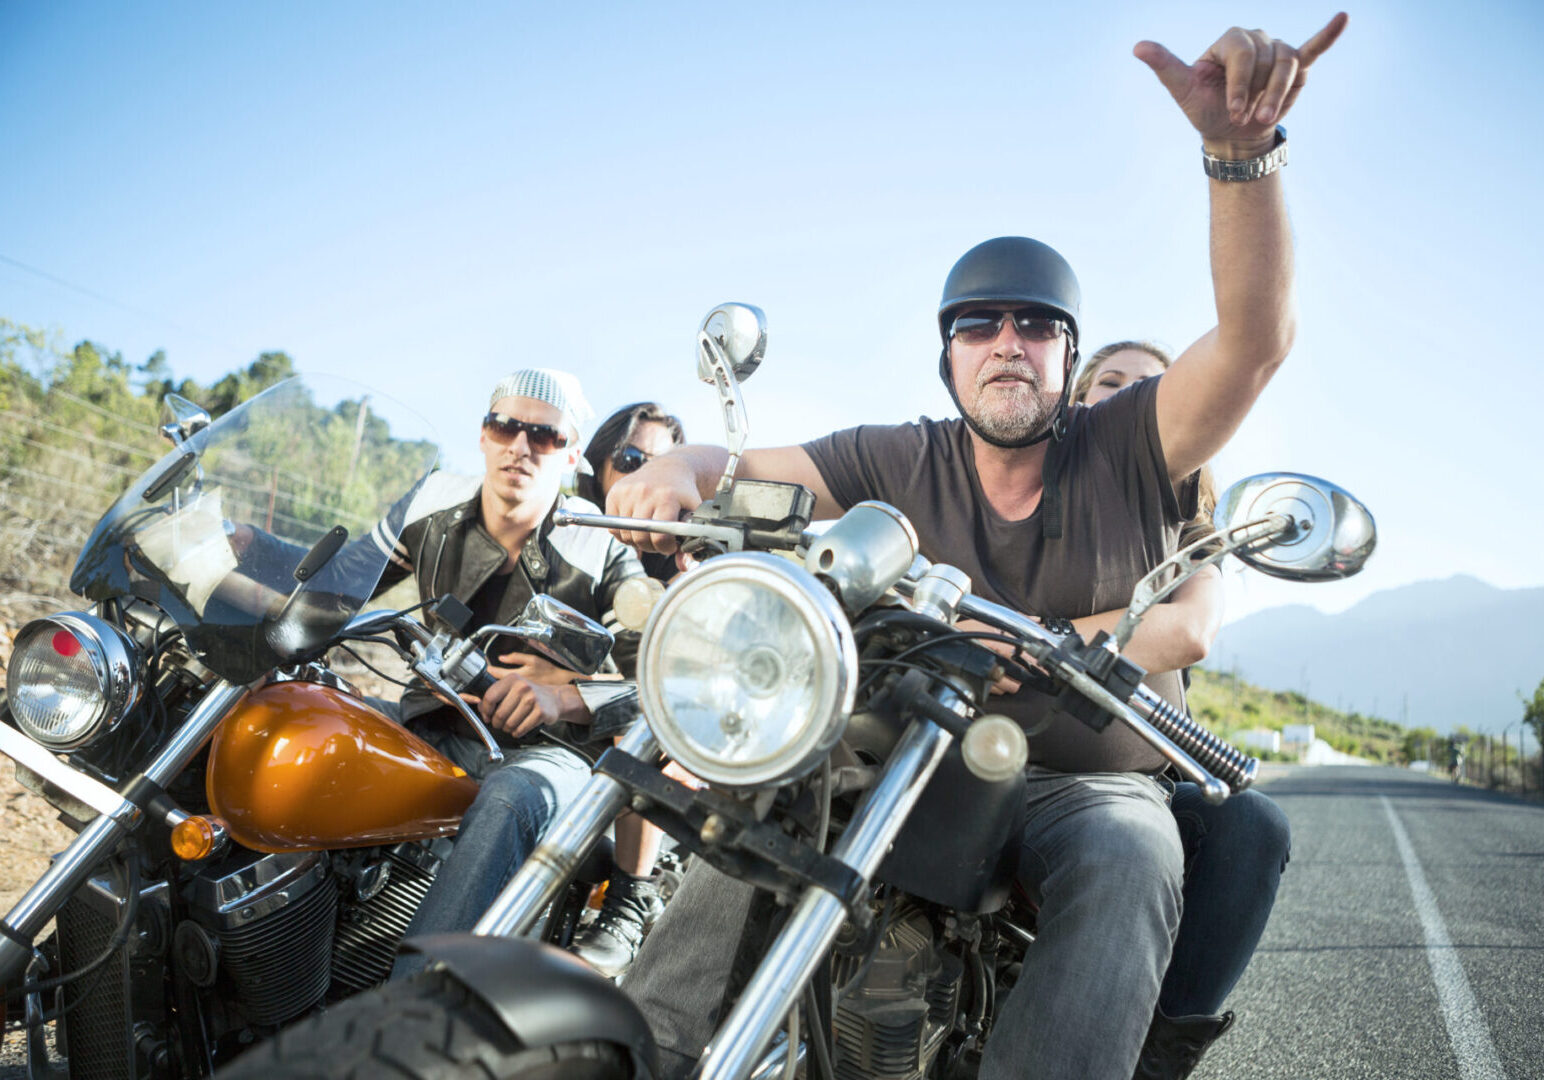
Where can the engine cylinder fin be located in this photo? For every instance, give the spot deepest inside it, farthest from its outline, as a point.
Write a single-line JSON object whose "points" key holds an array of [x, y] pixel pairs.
{"points": [[370, 930], [279, 962]]}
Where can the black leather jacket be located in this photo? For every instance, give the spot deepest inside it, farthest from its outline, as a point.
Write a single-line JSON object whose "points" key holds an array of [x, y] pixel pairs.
{"points": [[444, 546]]}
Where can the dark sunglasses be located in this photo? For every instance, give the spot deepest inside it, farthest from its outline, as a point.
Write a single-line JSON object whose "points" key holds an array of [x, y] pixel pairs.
{"points": [[544, 438], [627, 459], [980, 326]]}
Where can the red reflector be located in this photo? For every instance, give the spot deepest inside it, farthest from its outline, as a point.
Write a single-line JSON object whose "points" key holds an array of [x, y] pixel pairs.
{"points": [[65, 643]]}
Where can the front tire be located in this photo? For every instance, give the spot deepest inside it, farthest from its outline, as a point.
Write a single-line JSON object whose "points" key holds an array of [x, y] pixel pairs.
{"points": [[427, 1026]]}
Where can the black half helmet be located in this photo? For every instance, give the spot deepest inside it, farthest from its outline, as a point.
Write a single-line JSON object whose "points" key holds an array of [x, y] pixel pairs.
{"points": [[1011, 270]]}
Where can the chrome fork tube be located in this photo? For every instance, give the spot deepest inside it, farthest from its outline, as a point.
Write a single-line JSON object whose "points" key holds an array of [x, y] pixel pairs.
{"points": [[567, 841], [70, 869], [796, 954]]}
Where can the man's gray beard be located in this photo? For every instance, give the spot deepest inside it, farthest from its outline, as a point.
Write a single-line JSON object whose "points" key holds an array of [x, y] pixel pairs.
{"points": [[1020, 424]]}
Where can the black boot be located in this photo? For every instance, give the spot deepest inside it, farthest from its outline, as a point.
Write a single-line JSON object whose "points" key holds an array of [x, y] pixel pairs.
{"points": [[610, 943], [1174, 1047]]}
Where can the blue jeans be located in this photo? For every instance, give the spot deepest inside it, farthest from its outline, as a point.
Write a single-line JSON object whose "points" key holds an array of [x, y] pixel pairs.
{"points": [[1101, 856], [1234, 857], [516, 801]]}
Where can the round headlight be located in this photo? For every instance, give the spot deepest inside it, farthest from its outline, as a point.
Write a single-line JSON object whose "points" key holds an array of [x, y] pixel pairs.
{"points": [[70, 680], [747, 671]]}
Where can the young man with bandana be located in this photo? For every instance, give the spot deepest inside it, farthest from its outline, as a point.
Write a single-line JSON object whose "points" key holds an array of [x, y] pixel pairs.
{"points": [[490, 542]]}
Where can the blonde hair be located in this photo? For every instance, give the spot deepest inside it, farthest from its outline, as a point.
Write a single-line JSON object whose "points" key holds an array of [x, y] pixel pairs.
{"points": [[1206, 493], [1085, 380]]}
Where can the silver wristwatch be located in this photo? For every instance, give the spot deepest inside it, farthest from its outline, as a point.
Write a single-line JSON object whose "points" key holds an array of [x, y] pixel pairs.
{"points": [[1253, 168]]}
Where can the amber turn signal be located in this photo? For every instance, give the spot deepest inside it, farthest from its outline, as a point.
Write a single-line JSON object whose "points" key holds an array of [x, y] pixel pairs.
{"points": [[198, 837]]}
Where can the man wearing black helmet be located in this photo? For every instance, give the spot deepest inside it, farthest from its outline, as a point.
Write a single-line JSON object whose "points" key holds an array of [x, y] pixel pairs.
{"points": [[1057, 512]]}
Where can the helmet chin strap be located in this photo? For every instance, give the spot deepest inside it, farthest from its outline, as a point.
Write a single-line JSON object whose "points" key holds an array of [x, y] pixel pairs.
{"points": [[1054, 429]]}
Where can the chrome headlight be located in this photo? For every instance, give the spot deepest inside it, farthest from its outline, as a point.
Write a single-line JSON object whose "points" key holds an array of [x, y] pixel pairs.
{"points": [[71, 679], [747, 671]]}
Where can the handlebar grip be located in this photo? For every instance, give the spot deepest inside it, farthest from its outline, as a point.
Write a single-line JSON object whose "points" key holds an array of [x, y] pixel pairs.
{"points": [[482, 684], [1210, 752]]}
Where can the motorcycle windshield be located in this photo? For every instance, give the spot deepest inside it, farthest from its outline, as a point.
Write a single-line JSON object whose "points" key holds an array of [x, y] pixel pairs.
{"points": [[264, 533]]}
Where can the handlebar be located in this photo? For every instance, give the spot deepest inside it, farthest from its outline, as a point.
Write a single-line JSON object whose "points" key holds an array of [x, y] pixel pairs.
{"points": [[1198, 754]]}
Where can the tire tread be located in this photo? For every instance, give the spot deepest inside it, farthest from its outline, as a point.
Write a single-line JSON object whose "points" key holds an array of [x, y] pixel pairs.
{"points": [[428, 1027]]}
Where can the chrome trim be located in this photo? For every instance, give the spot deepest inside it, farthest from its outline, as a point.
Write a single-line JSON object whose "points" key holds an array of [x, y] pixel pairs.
{"points": [[247, 893], [563, 847], [74, 865], [796, 954], [1189, 561], [112, 657], [724, 534], [867, 550], [836, 670], [775, 1063], [40, 760]]}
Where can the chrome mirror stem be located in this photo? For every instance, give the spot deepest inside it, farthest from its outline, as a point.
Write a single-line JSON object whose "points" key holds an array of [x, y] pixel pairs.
{"points": [[736, 429], [1148, 592]]}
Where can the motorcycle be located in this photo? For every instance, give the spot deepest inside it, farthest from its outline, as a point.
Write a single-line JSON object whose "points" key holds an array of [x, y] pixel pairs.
{"points": [[253, 834], [816, 681]]}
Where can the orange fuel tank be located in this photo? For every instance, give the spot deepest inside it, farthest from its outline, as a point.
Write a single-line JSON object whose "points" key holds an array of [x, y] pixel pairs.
{"points": [[299, 766]]}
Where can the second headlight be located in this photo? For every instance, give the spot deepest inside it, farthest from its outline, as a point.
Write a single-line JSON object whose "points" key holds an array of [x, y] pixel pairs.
{"points": [[747, 671]]}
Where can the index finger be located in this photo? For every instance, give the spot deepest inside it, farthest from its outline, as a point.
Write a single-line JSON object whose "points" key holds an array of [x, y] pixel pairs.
{"points": [[513, 656], [1319, 44]]}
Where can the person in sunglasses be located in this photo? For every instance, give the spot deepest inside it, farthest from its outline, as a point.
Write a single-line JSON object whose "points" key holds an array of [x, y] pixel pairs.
{"points": [[1057, 512], [1235, 853], [623, 442], [490, 542]]}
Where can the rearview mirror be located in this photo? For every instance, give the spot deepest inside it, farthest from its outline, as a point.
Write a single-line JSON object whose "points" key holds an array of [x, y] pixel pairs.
{"points": [[730, 345], [187, 419], [1331, 536], [740, 331], [559, 633]]}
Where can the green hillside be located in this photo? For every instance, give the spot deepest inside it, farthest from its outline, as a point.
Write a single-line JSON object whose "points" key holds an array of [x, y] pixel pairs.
{"points": [[1228, 706]]}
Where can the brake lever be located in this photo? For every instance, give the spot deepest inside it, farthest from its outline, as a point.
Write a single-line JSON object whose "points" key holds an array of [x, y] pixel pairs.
{"points": [[729, 536]]}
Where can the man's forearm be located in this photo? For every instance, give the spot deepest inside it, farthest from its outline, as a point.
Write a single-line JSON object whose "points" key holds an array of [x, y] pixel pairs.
{"points": [[1251, 250], [707, 464]]}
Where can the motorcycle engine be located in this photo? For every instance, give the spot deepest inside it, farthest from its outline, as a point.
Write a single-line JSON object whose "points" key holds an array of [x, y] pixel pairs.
{"points": [[892, 1022]]}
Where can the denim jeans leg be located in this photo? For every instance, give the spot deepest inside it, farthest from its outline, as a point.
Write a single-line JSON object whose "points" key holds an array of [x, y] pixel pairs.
{"points": [[682, 971], [1102, 857], [513, 807], [1234, 857]]}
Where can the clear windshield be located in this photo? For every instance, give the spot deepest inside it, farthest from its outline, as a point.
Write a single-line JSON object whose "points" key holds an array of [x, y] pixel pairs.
{"points": [[267, 531]]}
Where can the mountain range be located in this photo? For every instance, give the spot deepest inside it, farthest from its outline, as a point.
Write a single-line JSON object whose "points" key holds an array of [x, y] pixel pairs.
{"points": [[1433, 654]]}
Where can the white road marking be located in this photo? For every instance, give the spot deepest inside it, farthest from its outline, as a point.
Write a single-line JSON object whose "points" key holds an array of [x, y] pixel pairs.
{"points": [[1466, 1026]]}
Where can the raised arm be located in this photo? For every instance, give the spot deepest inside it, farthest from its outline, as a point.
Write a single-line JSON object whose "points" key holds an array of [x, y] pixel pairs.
{"points": [[683, 478], [1234, 95]]}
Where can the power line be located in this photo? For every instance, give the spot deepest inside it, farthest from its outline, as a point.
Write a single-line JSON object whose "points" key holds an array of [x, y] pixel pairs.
{"points": [[154, 317]]}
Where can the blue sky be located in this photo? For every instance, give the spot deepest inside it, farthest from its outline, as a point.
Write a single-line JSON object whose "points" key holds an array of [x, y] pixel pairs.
{"points": [[426, 196]]}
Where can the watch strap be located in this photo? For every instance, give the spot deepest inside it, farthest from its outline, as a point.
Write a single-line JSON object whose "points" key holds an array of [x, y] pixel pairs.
{"points": [[1246, 169]]}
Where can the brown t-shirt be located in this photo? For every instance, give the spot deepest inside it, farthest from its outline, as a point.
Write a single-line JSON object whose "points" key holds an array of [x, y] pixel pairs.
{"points": [[1120, 517]]}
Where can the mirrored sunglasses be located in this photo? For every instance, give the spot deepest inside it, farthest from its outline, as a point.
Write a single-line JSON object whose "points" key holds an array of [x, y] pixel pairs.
{"points": [[981, 326], [543, 438], [627, 459]]}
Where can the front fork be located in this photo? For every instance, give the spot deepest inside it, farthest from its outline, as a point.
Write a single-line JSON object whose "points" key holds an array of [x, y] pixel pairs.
{"points": [[794, 957], [570, 837], [70, 870]]}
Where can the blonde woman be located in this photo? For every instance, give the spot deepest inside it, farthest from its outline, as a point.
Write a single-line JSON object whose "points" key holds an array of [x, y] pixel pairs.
{"points": [[1234, 853]]}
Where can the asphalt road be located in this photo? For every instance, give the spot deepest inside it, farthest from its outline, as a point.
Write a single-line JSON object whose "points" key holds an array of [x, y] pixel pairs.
{"points": [[1407, 939]]}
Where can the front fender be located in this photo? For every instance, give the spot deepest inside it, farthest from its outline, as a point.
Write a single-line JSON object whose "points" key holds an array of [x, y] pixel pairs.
{"points": [[544, 995]]}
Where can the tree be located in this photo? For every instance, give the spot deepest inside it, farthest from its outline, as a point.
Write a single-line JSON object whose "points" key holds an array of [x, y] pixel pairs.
{"points": [[1533, 712]]}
